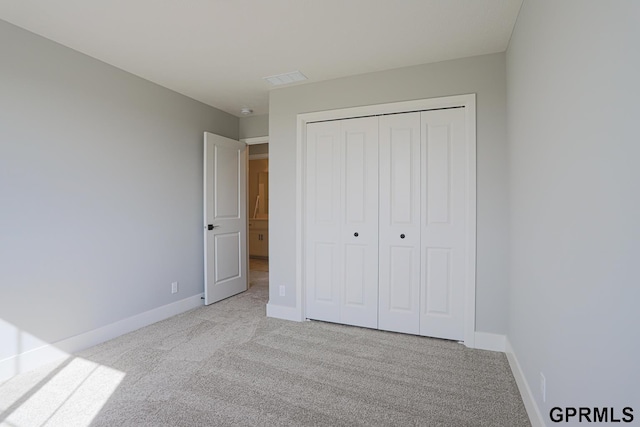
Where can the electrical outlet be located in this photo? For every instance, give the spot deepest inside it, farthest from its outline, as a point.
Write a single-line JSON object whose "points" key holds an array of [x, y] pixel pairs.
{"points": [[174, 287], [543, 387], [282, 290]]}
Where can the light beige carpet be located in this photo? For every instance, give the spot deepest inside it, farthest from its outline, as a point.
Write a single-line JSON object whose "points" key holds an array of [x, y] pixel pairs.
{"points": [[259, 264], [227, 364]]}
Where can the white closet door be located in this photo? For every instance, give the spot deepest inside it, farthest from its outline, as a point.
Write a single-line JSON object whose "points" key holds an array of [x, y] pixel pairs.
{"points": [[360, 222], [342, 222], [323, 269], [399, 230], [444, 203]]}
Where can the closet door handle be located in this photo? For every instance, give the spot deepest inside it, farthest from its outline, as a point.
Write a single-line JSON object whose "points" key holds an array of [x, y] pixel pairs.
{"points": [[355, 234], [402, 236]]}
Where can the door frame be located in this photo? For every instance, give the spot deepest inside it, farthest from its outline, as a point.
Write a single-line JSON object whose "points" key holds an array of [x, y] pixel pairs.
{"points": [[256, 140], [252, 141], [467, 101]]}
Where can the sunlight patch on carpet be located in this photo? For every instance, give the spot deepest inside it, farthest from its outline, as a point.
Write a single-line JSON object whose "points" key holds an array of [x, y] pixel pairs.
{"points": [[73, 395]]}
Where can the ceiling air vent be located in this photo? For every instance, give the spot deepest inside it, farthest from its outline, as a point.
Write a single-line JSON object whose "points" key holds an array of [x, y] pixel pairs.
{"points": [[286, 78]]}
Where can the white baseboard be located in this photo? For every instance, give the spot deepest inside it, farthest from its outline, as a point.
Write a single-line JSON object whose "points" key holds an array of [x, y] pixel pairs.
{"points": [[489, 341], [52, 352], [285, 313], [535, 416]]}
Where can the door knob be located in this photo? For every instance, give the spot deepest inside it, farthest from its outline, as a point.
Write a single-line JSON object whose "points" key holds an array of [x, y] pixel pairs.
{"points": [[355, 234], [211, 226], [402, 236]]}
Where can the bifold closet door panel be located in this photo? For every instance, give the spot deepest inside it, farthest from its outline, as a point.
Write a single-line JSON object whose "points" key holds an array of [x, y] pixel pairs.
{"points": [[342, 222], [399, 229], [360, 222], [444, 204], [323, 213]]}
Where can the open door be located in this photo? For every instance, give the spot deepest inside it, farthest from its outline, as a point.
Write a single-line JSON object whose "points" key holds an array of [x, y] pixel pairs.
{"points": [[225, 218]]}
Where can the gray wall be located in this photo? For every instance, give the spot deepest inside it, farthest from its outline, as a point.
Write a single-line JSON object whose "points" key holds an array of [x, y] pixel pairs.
{"points": [[253, 126], [100, 191], [573, 110], [483, 75]]}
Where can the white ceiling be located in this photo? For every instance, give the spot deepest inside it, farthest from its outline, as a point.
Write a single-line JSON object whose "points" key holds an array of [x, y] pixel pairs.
{"points": [[218, 51]]}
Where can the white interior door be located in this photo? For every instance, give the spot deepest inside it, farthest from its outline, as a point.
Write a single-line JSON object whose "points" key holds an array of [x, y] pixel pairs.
{"points": [[359, 228], [399, 223], [225, 215], [444, 234], [323, 269], [342, 222]]}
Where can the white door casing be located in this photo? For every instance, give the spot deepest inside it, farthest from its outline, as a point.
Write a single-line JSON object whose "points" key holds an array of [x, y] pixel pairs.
{"points": [[225, 218]]}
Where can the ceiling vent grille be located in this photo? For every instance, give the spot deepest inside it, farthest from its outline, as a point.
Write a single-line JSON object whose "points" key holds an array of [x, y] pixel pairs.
{"points": [[286, 78]]}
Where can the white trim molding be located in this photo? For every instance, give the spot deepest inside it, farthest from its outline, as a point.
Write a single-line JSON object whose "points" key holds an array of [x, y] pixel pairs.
{"points": [[256, 140], [469, 103], [489, 341], [56, 351], [535, 416], [283, 312]]}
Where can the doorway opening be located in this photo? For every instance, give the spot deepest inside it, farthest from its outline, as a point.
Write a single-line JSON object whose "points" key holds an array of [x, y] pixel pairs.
{"points": [[258, 211]]}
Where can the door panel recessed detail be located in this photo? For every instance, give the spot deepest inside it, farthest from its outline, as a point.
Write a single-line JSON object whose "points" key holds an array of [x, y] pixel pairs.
{"points": [[355, 177], [401, 176], [226, 185], [227, 249], [438, 189], [355, 274], [400, 291], [325, 178], [324, 268], [437, 298]]}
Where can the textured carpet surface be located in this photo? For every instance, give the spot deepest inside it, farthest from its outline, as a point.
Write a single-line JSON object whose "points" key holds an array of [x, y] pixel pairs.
{"points": [[228, 364]]}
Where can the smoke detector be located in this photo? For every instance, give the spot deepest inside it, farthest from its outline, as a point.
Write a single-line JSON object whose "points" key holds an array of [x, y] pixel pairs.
{"points": [[245, 111]]}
